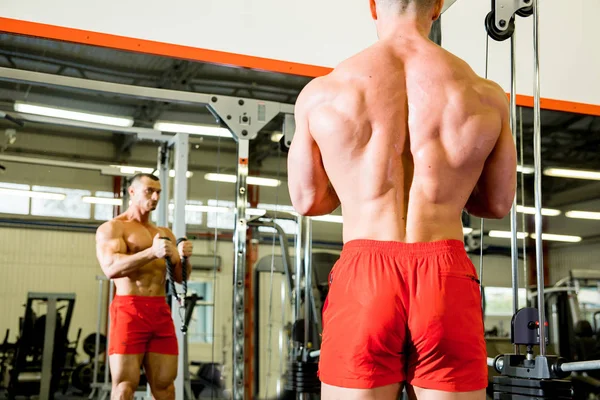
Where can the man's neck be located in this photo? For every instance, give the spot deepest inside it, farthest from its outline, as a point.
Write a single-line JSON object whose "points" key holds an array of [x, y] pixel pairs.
{"points": [[138, 215], [403, 26]]}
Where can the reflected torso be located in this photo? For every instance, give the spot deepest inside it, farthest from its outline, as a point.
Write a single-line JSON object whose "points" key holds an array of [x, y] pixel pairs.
{"points": [[150, 279]]}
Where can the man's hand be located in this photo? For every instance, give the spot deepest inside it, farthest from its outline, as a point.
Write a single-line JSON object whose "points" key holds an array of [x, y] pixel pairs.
{"points": [[185, 248], [161, 248]]}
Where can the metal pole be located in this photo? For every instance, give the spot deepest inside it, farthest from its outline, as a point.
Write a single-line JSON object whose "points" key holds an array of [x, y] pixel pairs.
{"points": [[98, 327], [239, 244], [307, 280], [50, 331], [537, 153], [514, 250], [111, 292], [525, 275], [298, 275], [181, 145], [580, 366], [163, 174]]}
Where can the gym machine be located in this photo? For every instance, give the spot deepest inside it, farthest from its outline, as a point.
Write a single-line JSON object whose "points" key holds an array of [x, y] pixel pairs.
{"points": [[43, 355], [528, 376]]}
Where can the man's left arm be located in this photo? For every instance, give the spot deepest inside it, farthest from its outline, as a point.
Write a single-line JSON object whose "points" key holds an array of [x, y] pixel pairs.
{"points": [[184, 251], [310, 190]]}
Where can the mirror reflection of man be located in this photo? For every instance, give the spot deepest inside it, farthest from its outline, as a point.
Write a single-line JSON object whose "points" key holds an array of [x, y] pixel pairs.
{"points": [[132, 252]]}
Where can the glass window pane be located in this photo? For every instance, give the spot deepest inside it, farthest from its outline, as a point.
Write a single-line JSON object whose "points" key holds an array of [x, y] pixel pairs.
{"points": [[70, 207], [103, 212], [221, 220], [288, 226], [201, 328], [499, 300], [12, 204]]}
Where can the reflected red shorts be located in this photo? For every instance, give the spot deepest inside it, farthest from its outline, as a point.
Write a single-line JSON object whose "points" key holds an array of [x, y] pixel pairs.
{"points": [[141, 324], [399, 312]]}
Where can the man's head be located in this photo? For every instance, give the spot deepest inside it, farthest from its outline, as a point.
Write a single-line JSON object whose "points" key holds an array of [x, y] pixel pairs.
{"points": [[425, 11], [144, 192]]}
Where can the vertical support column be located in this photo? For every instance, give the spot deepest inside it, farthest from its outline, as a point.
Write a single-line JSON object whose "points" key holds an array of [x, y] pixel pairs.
{"points": [[239, 271], [514, 249], [48, 353], [249, 337], [181, 144], [308, 303], [298, 276], [537, 165], [163, 174]]}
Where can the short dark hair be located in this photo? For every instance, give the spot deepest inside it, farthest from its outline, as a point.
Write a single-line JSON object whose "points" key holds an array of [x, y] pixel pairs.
{"points": [[138, 177], [404, 4]]}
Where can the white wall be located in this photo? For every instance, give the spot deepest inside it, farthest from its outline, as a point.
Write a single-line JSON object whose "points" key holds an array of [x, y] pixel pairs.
{"points": [[276, 30]]}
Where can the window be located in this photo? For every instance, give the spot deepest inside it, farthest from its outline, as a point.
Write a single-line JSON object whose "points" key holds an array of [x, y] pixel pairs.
{"points": [[104, 212], [221, 220], [288, 226], [201, 329], [589, 304], [12, 204], [70, 207], [192, 217], [499, 300]]}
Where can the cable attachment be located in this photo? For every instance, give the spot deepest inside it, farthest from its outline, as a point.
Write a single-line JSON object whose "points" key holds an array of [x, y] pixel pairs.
{"points": [[500, 22], [171, 290]]}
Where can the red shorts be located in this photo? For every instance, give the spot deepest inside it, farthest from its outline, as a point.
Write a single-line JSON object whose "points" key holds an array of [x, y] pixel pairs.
{"points": [[141, 324], [399, 312]]}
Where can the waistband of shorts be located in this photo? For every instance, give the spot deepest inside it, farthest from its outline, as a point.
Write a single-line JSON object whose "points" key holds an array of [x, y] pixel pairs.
{"points": [[132, 299], [402, 248]]}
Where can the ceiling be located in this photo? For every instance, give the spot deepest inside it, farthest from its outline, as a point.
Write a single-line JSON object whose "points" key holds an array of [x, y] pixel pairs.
{"points": [[568, 140]]}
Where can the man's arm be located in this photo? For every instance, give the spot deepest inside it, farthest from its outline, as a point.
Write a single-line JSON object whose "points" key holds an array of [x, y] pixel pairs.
{"points": [[111, 249], [310, 190], [493, 195], [180, 250]]}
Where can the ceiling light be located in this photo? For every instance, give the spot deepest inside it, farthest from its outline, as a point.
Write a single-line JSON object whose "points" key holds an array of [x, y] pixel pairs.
{"points": [[545, 236], [583, 215], [33, 194], [188, 174], [251, 180], [203, 130], [558, 238], [329, 218], [506, 235], [467, 231], [276, 137], [545, 211], [525, 169], [73, 115], [572, 173], [130, 170], [102, 200], [255, 212]]}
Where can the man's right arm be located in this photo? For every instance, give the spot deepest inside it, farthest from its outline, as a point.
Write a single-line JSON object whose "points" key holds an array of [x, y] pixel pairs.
{"points": [[493, 195], [111, 252]]}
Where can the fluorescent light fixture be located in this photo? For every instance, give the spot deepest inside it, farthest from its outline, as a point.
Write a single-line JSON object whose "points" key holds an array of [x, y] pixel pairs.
{"points": [[255, 212], [545, 211], [33, 194], [545, 236], [572, 173], [524, 169], [506, 235], [102, 200], [188, 174], [583, 215], [131, 170], [202, 130], [26, 108], [251, 180], [467, 231], [558, 238], [329, 218], [200, 208]]}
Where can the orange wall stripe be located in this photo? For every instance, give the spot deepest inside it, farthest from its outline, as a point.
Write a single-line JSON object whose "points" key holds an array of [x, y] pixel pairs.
{"points": [[157, 48], [219, 57]]}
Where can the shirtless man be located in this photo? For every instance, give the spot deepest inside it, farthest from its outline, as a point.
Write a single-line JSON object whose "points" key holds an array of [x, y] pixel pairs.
{"points": [[404, 136], [132, 251]]}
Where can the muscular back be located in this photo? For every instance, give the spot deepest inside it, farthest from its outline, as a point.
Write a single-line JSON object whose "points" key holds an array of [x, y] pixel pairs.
{"points": [[404, 133]]}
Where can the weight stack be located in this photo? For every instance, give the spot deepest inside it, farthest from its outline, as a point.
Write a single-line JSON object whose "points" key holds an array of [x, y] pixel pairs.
{"points": [[509, 388], [302, 378]]}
